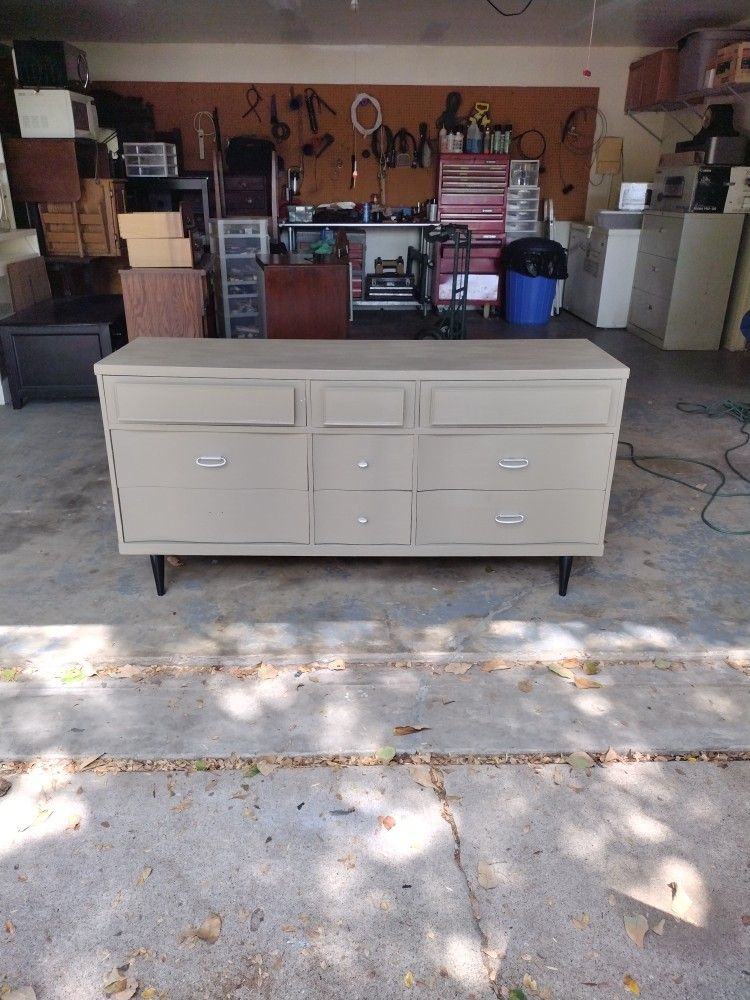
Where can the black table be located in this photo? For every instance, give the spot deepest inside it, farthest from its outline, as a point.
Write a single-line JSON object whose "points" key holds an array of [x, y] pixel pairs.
{"points": [[49, 349]]}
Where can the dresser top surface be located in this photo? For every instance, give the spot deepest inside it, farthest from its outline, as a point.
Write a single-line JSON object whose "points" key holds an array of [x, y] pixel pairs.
{"points": [[529, 359]]}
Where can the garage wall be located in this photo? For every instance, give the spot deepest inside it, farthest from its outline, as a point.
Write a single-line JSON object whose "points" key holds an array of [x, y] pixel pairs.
{"points": [[449, 67]]}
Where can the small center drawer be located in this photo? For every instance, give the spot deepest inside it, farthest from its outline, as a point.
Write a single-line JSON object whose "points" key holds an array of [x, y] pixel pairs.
{"points": [[660, 235], [363, 404], [204, 401], [210, 459], [362, 518], [497, 404], [362, 461], [514, 461]]}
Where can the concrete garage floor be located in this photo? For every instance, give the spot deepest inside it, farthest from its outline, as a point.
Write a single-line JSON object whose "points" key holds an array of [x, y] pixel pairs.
{"points": [[665, 584]]}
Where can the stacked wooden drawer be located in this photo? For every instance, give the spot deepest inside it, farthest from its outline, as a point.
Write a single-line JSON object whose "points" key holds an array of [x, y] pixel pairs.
{"points": [[683, 276], [472, 191], [87, 227]]}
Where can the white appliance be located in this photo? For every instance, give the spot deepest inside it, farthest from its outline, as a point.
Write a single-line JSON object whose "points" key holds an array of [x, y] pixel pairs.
{"points": [[56, 114], [634, 196], [601, 267], [738, 195]]}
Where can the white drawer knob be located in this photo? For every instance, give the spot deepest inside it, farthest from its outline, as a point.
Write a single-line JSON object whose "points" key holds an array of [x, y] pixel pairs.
{"points": [[362, 520], [211, 461], [513, 463], [363, 464], [509, 518]]}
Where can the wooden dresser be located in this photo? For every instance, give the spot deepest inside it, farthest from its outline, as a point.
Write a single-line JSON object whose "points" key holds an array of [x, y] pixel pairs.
{"points": [[372, 448]]}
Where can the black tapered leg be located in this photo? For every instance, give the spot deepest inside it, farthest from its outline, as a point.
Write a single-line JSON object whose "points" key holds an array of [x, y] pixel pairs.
{"points": [[566, 565], [157, 565]]}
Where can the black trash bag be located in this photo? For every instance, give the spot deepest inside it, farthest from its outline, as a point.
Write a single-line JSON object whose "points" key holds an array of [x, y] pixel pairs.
{"points": [[536, 258]]}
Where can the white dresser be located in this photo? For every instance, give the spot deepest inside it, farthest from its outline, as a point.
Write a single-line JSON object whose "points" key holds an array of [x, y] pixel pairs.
{"points": [[683, 276], [385, 448]]}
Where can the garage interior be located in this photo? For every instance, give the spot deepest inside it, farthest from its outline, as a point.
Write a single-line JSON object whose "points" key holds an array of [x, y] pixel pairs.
{"points": [[340, 255]]}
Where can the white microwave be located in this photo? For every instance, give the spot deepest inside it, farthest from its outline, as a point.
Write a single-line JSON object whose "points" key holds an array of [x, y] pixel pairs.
{"points": [[56, 114]]}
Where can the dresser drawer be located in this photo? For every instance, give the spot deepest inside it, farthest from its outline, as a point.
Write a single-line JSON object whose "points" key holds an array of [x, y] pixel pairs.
{"points": [[167, 514], [514, 461], [654, 275], [649, 312], [210, 459], [355, 517], [204, 401], [362, 461], [506, 518], [363, 404], [660, 235], [497, 404]]}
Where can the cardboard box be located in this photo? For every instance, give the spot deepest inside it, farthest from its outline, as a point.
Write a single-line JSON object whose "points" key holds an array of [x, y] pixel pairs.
{"points": [[150, 225], [733, 64], [160, 252]]}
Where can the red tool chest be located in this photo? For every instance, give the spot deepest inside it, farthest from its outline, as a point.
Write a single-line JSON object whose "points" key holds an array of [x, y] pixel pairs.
{"points": [[472, 188]]}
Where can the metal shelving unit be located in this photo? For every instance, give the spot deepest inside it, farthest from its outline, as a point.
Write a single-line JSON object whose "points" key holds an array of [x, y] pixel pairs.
{"points": [[237, 278]]}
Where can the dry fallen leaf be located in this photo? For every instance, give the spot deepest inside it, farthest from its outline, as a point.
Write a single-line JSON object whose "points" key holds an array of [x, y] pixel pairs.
{"points": [[586, 683], [387, 822], [118, 986], [143, 876], [422, 775], [489, 666], [386, 754], [210, 929], [5, 787], [746, 919], [267, 671], [662, 664], [41, 816], [529, 982], [182, 806], [630, 984], [487, 875], [611, 756], [580, 760], [636, 926], [348, 861], [561, 670], [10, 927], [658, 927], [74, 822], [525, 686], [591, 667], [22, 993], [266, 767], [457, 668], [681, 902], [409, 980], [88, 761], [175, 561], [408, 730], [581, 922], [256, 918], [337, 664], [150, 993]]}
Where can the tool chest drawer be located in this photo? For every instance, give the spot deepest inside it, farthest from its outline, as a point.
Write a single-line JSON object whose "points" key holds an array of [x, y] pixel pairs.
{"points": [[204, 401], [509, 518], [363, 461], [171, 514], [363, 404], [660, 235], [654, 275], [220, 459], [362, 518], [514, 461], [497, 404], [496, 200]]}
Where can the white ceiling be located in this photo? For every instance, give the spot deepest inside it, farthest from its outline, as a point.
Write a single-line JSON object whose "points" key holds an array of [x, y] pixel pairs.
{"points": [[648, 23]]}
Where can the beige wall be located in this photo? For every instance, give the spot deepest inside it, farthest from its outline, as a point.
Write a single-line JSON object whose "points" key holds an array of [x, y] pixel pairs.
{"points": [[371, 65]]}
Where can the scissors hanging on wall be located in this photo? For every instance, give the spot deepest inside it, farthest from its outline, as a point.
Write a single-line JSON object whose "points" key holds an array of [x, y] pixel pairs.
{"points": [[253, 97]]}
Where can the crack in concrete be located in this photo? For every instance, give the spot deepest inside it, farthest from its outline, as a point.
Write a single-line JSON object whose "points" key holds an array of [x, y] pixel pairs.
{"points": [[446, 814]]}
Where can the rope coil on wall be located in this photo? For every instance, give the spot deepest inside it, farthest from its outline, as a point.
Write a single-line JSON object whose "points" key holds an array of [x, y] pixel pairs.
{"points": [[358, 101]]}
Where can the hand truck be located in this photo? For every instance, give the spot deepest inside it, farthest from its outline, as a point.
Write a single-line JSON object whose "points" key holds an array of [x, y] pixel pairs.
{"points": [[451, 324]]}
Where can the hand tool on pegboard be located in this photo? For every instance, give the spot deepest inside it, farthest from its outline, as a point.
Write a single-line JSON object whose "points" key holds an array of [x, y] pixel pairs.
{"points": [[253, 97]]}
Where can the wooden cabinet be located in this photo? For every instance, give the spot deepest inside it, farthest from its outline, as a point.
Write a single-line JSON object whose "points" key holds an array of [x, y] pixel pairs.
{"points": [[165, 302], [651, 80], [302, 298], [86, 227], [361, 448]]}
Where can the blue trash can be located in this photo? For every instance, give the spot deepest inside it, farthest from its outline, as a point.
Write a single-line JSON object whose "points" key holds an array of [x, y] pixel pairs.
{"points": [[533, 267]]}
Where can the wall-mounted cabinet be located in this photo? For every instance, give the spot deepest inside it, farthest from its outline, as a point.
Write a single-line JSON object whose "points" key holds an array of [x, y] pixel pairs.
{"points": [[652, 80]]}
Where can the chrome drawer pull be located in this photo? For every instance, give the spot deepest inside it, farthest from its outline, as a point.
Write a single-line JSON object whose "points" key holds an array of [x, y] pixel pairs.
{"points": [[509, 518], [211, 461], [513, 463], [362, 520], [363, 464]]}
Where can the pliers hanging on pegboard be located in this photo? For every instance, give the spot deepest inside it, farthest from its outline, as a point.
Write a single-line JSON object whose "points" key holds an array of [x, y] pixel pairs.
{"points": [[314, 102]]}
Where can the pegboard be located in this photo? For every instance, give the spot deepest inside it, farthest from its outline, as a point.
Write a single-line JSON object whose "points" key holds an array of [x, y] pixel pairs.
{"points": [[327, 179]]}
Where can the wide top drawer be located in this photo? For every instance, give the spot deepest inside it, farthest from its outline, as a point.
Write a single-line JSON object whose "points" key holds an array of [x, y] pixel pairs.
{"points": [[523, 404], [243, 402]]}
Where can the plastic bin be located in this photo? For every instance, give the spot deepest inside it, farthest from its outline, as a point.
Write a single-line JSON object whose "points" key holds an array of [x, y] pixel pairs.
{"points": [[697, 53], [533, 267]]}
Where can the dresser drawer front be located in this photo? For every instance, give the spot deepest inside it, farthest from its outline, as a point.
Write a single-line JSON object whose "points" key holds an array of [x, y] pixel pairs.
{"points": [[355, 517], [363, 404], [362, 461], [468, 517], [649, 312], [168, 514], [210, 459], [660, 236], [204, 401], [498, 404], [654, 275], [514, 461]]}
